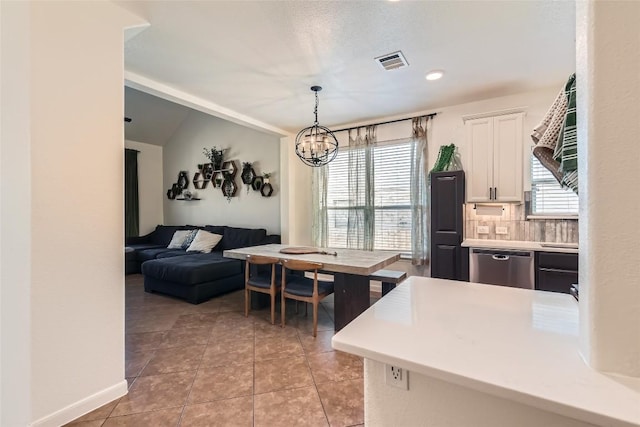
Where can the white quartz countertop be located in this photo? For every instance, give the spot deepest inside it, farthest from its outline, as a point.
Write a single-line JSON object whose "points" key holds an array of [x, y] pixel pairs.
{"points": [[521, 245], [517, 344]]}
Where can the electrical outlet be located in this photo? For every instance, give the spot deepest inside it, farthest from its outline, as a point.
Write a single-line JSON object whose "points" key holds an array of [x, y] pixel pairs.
{"points": [[483, 229], [396, 377], [502, 230]]}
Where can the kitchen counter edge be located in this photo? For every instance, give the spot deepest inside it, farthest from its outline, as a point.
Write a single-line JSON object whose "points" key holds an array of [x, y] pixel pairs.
{"points": [[519, 245]]}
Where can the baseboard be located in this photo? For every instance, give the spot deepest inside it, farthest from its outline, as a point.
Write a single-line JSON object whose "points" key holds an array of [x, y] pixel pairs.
{"points": [[84, 406]]}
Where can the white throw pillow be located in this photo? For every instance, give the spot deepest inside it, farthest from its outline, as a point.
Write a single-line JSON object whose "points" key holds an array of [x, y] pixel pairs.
{"points": [[204, 242], [178, 239]]}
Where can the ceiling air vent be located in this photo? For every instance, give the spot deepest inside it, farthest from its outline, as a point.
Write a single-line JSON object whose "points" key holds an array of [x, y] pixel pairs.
{"points": [[392, 61]]}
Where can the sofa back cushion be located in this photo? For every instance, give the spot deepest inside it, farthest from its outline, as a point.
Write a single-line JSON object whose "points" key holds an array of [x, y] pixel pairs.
{"points": [[216, 229], [163, 234], [240, 237]]}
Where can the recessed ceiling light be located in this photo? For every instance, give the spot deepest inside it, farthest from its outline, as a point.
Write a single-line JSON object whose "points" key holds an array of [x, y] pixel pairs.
{"points": [[434, 75]]}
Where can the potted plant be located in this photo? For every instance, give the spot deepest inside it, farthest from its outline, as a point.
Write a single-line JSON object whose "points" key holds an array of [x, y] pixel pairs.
{"points": [[266, 177], [215, 156]]}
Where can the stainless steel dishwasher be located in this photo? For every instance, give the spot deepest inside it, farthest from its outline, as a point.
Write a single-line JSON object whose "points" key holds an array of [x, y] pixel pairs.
{"points": [[502, 267]]}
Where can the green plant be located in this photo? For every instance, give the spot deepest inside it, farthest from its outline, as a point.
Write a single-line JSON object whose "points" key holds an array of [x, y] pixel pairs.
{"points": [[267, 174], [215, 156]]}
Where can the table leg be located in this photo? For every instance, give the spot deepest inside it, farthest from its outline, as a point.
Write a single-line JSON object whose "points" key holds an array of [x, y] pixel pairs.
{"points": [[351, 297]]}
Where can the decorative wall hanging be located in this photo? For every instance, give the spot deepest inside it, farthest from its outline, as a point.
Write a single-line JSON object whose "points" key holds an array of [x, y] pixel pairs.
{"points": [[188, 196], [247, 174], [217, 179], [207, 171], [170, 194], [229, 171], [257, 183], [316, 145], [229, 168], [199, 182], [266, 190], [183, 180], [229, 188], [215, 156]]}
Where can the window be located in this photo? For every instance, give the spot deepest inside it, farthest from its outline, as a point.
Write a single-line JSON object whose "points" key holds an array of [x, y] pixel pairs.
{"points": [[391, 208], [547, 196]]}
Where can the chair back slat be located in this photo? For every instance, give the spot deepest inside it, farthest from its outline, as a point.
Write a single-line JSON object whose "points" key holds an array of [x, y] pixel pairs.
{"points": [[262, 260], [300, 265]]}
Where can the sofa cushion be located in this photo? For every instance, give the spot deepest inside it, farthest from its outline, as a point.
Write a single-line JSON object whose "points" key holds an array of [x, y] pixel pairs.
{"points": [[164, 233], [179, 238], [204, 242], [241, 237], [190, 237], [216, 229], [153, 253], [171, 254], [190, 270], [142, 246]]}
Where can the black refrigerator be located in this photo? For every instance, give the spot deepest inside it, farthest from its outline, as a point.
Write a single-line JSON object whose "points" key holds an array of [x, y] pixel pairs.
{"points": [[449, 260]]}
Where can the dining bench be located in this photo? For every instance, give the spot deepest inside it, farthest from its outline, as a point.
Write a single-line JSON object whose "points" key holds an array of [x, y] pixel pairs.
{"points": [[389, 279]]}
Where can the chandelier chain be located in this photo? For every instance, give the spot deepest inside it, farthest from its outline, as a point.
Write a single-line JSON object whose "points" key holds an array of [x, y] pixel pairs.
{"points": [[315, 111]]}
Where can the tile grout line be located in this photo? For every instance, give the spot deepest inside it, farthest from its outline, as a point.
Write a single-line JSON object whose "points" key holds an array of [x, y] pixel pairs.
{"points": [[184, 406], [315, 385]]}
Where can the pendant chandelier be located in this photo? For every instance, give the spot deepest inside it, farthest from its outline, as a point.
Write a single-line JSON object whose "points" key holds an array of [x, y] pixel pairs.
{"points": [[316, 145]]}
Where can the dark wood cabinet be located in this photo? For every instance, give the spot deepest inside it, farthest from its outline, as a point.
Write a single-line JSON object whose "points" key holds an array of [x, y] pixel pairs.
{"points": [[556, 272], [449, 260]]}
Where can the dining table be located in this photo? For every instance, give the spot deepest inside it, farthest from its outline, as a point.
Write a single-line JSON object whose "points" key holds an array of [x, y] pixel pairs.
{"points": [[350, 269]]}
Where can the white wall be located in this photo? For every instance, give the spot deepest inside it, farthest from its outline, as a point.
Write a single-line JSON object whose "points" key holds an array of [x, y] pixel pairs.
{"points": [[296, 203], [447, 128], [184, 151], [15, 215], [150, 185], [608, 107], [68, 167], [435, 403]]}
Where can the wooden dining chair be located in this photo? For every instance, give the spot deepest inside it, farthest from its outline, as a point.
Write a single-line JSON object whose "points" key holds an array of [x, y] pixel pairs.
{"points": [[263, 282], [301, 288]]}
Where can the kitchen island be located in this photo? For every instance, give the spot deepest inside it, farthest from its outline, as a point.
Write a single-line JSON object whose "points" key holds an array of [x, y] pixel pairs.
{"points": [[482, 355]]}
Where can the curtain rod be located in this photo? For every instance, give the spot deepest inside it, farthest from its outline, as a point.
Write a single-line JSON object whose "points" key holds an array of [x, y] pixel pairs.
{"points": [[385, 123]]}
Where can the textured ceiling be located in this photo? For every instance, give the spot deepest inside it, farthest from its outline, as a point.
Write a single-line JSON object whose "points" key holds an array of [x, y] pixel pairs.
{"points": [[259, 58]]}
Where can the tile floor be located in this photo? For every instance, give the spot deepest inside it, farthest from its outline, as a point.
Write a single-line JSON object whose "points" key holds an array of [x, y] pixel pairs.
{"points": [[208, 365]]}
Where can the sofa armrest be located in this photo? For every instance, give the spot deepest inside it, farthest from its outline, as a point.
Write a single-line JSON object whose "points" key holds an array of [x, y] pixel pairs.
{"points": [[136, 240]]}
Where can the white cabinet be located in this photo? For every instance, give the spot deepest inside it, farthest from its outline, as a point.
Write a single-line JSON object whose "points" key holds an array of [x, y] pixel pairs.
{"points": [[495, 162]]}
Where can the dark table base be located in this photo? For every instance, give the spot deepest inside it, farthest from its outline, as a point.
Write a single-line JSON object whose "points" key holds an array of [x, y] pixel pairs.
{"points": [[351, 297]]}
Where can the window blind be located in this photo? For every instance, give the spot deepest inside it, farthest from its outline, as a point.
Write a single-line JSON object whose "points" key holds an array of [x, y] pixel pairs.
{"points": [[547, 196], [392, 200]]}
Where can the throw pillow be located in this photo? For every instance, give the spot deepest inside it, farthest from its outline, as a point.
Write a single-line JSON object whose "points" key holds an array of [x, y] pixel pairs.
{"points": [[204, 242], [178, 239], [190, 236]]}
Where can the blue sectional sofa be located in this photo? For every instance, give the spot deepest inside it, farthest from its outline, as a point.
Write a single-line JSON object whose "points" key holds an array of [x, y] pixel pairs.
{"points": [[195, 277]]}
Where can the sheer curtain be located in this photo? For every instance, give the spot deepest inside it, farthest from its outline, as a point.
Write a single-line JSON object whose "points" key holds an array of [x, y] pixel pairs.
{"points": [[361, 214], [319, 227], [420, 199]]}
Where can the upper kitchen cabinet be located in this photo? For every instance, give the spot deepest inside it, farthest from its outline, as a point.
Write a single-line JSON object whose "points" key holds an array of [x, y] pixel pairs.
{"points": [[495, 163]]}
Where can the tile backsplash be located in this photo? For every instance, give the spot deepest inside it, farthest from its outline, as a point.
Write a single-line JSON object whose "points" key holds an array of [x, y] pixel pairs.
{"points": [[513, 218]]}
